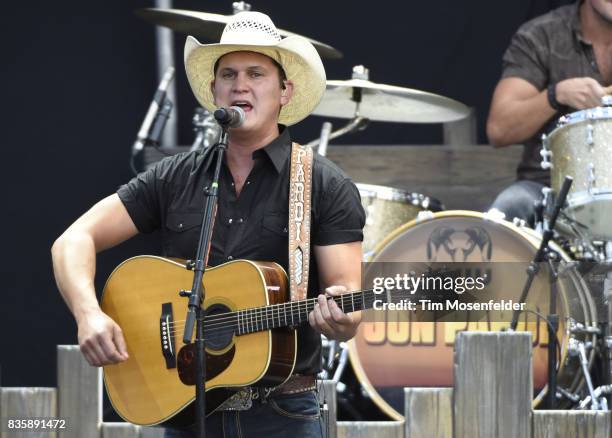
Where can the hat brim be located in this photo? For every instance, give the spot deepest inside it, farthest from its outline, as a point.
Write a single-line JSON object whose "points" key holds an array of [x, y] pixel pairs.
{"points": [[297, 56]]}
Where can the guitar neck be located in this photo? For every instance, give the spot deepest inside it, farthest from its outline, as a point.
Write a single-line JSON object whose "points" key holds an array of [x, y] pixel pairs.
{"points": [[294, 313]]}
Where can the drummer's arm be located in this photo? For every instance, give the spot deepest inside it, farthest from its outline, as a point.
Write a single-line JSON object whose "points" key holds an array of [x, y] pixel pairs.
{"points": [[518, 111]]}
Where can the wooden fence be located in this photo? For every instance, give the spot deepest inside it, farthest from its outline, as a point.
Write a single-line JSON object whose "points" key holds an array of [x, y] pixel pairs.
{"points": [[491, 399]]}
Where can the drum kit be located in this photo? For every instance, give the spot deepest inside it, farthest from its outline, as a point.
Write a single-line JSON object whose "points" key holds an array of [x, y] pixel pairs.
{"points": [[387, 356]]}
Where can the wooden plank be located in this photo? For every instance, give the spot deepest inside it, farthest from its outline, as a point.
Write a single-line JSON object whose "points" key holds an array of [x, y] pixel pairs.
{"points": [[80, 393], [467, 177], [367, 429], [119, 430], [428, 412], [572, 424], [152, 432], [493, 385], [327, 395], [24, 404]]}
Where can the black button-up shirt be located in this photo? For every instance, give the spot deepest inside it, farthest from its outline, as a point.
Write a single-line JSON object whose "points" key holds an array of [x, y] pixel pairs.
{"points": [[170, 197], [547, 50]]}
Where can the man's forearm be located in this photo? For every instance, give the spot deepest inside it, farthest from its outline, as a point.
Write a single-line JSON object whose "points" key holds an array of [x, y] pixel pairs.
{"points": [[74, 260], [515, 121]]}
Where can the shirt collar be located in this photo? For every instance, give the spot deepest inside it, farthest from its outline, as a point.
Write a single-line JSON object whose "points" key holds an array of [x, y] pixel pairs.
{"points": [[277, 150], [575, 23]]}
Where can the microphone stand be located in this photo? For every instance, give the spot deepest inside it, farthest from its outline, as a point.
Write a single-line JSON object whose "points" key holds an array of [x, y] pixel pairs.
{"points": [[195, 313], [544, 254]]}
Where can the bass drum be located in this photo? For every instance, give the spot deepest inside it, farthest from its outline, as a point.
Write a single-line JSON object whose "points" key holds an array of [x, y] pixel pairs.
{"points": [[390, 355]]}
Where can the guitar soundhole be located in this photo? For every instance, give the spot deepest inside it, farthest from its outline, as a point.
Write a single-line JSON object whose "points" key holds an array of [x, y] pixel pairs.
{"points": [[218, 329]]}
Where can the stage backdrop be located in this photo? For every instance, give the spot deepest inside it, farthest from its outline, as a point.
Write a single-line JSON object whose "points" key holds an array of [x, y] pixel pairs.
{"points": [[77, 79]]}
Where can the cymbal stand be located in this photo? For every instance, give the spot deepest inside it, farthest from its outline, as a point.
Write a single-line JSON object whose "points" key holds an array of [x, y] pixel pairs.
{"points": [[357, 123], [325, 132]]}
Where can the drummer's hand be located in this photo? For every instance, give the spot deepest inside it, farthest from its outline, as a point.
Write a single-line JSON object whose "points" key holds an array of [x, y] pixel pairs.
{"points": [[101, 339], [580, 93], [327, 318]]}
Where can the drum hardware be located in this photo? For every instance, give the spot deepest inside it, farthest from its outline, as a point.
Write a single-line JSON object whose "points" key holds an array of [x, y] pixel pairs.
{"points": [[544, 254], [241, 7], [607, 342], [579, 328], [598, 392], [356, 124], [562, 271], [545, 153], [561, 392], [328, 355], [207, 27], [608, 251], [342, 361], [578, 349], [518, 222], [324, 139], [494, 214], [206, 128], [424, 215]]}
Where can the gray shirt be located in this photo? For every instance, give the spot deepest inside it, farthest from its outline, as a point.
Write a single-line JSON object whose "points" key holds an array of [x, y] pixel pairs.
{"points": [[547, 50]]}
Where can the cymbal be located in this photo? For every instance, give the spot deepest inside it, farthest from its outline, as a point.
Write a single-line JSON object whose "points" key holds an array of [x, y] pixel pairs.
{"points": [[208, 27], [387, 103]]}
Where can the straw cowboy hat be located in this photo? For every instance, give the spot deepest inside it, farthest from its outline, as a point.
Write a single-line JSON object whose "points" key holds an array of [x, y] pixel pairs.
{"points": [[255, 32]]}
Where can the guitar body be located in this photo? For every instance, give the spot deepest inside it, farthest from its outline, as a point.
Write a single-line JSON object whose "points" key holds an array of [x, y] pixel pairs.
{"points": [[142, 296]]}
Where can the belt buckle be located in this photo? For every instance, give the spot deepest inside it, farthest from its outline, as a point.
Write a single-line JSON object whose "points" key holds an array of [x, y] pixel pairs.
{"points": [[241, 401]]}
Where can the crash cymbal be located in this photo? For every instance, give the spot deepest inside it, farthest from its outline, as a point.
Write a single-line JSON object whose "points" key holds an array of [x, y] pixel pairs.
{"points": [[386, 103], [207, 27]]}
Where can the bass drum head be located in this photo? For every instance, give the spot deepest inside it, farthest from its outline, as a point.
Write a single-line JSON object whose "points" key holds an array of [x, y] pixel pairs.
{"points": [[390, 355]]}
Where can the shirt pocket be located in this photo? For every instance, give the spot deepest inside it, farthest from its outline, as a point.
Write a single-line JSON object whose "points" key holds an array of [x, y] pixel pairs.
{"points": [[274, 238], [181, 234], [276, 223]]}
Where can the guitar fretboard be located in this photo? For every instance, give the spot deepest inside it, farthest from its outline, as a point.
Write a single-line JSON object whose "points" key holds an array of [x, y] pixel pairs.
{"points": [[294, 313]]}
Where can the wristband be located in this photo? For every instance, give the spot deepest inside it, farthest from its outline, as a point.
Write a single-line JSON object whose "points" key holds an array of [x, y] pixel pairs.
{"points": [[552, 97]]}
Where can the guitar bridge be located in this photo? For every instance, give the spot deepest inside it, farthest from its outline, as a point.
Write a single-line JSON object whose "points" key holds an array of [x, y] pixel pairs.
{"points": [[166, 335]]}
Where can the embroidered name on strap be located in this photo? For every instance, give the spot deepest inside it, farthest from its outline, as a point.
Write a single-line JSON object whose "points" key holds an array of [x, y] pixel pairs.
{"points": [[299, 220]]}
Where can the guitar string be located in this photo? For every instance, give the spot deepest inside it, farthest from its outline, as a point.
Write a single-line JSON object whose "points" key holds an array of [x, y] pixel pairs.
{"points": [[267, 310], [221, 330], [248, 322]]}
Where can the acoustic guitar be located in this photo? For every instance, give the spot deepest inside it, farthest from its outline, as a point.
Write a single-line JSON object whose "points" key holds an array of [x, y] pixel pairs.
{"points": [[248, 330]]}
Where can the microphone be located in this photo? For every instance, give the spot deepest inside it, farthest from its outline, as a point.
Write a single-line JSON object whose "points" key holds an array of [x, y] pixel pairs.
{"points": [[158, 99], [160, 121], [231, 117]]}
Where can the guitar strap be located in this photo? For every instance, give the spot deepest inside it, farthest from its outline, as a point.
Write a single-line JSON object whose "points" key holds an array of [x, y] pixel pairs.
{"points": [[300, 187]]}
